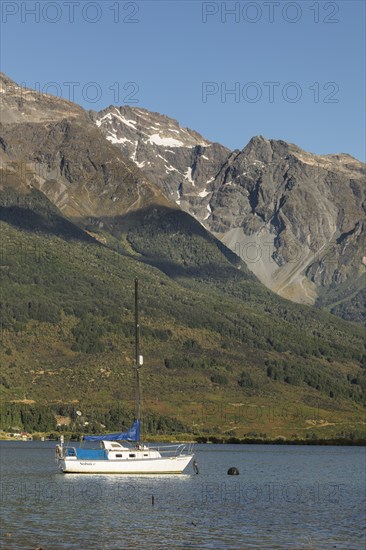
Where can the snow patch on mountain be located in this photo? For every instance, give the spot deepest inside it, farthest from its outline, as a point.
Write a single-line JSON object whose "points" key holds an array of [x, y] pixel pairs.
{"points": [[165, 141], [114, 139], [116, 115], [170, 168], [188, 176]]}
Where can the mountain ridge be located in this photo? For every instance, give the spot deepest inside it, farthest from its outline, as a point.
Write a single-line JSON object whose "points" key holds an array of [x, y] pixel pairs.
{"points": [[271, 197], [292, 217]]}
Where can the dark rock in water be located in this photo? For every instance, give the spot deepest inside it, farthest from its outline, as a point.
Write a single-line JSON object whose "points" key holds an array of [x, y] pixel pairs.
{"points": [[233, 471]]}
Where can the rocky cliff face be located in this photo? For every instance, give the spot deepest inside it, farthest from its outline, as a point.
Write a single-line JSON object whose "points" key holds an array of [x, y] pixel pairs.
{"points": [[21, 105], [177, 159], [296, 219], [54, 147], [51, 145], [292, 216]]}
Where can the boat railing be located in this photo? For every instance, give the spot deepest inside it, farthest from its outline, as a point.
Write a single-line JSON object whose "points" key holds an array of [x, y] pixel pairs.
{"points": [[63, 452], [174, 450]]}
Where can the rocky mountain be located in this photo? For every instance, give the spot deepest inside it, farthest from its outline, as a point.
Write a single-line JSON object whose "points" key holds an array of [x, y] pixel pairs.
{"points": [[52, 146], [177, 159], [23, 105], [78, 222], [296, 219]]}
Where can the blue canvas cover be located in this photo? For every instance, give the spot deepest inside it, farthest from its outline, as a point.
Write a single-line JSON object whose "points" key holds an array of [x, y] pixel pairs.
{"points": [[133, 434], [91, 454]]}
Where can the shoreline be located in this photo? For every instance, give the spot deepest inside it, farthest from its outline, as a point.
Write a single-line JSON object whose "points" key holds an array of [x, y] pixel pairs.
{"points": [[209, 440], [314, 442]]}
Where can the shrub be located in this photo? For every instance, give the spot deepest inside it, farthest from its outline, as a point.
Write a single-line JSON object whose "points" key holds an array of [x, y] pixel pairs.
{"points": [[220, 379], [246, 381]]}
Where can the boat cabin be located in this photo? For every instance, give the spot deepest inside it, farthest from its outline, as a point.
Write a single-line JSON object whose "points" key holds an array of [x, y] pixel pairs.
{"points": [[113, 446], [115, 450]]}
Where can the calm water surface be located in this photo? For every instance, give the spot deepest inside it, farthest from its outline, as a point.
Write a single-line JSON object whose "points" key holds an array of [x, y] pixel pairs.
{"points": [[284, 498]]}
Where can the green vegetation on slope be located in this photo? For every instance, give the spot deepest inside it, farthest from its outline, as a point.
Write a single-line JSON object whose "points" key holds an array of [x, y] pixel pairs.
{"points": [[212, 336]]}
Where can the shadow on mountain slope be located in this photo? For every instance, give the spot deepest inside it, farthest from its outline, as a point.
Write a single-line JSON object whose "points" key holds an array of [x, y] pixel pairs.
{"points": [[172, 241], [34, 213]]}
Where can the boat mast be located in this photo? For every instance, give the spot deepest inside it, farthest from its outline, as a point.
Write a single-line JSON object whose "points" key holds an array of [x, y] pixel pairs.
{"points": [[138, 357]]}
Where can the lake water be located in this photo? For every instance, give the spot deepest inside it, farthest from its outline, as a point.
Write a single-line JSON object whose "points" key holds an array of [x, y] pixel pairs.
{"points": [[286, 497]]}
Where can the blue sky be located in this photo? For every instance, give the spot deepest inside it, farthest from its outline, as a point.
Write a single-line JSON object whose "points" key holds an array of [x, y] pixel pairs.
{"points": [[296, 69]]}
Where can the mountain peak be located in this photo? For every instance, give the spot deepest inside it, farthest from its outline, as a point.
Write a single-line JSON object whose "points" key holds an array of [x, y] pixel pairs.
{"points": [[272, 195], [179, 160], [20, 104], [6, 81], [150, 127]]}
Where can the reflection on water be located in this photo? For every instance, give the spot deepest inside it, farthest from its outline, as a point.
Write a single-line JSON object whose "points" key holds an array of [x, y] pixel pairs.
{"points": [[284, 498]]}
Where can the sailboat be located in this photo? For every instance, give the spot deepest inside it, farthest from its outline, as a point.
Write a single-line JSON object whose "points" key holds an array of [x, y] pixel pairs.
{"points": [[125, 452]]}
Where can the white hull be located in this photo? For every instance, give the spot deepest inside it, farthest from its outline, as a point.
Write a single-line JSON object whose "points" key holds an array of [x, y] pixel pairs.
{"points": [[161, 465]]}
